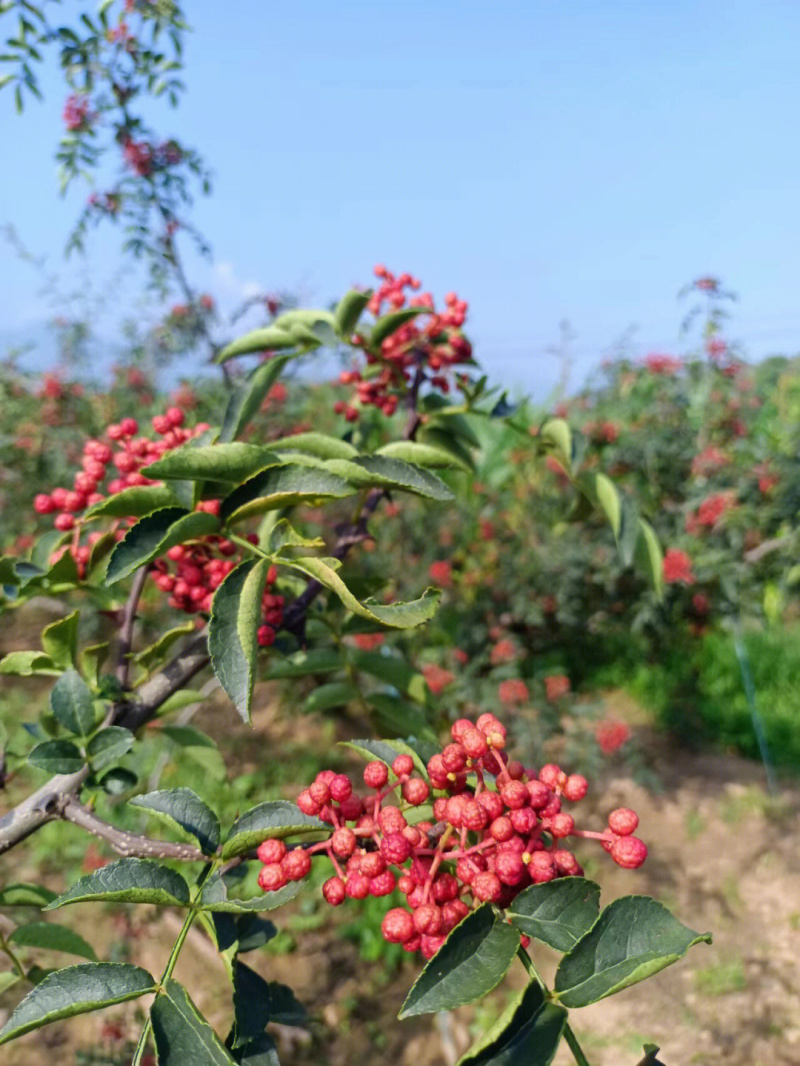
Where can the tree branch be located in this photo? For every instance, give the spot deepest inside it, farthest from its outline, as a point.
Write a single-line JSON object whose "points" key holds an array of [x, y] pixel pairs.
{"points": [[130, 845]]}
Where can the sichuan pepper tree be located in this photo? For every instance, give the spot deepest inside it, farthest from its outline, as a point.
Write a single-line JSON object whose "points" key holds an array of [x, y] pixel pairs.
{"points": [[479, 844]]}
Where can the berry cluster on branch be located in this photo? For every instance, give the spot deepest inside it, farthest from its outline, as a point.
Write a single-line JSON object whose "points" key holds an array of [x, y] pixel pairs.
{"points": [[496, 828]]}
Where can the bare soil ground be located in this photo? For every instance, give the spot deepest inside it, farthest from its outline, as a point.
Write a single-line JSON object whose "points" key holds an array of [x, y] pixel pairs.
{"points": [[724, 857]]}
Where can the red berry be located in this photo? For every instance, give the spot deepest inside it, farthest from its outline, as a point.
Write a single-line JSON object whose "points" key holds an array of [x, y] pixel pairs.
{"points": [[296, 864], [376, 774], [334, 892], [395, 849], [561, 825], [43, 504], [501, 829], [403, 765], [383, 884], [629, 852], [415, 791], [272, 877], [392, 820], [357, 886], [343, 842], [575, 787], [541, 867], [397, 926], [486, 886], [271, 851], [341, 787], [623, 821]]}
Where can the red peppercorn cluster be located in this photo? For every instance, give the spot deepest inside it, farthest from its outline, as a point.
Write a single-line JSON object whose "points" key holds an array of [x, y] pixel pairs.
{"points": [[497, 829], [428, 344]]}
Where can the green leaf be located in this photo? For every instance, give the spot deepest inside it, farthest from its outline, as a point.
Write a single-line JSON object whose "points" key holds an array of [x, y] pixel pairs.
{"points": [[23, 895], [281, 537], [420, 454], [399, 717], [28, 664], [60, 640], [386, 325], [57, 757], [557, 912], [76, 990], [198, 747], [270, 901], [91, 661], [394, 473], [156, 652], [393, 669], [257, 1002], [181, 1033], [259, 1052], [245, 401], [528, 1031], [153, 535], [557, 436], [349, 310], [648, 553], [633, 938], [52, 937], [397, 615], [134, 502], [128, 881], [233, 631], [183, 808], [335, 694], [319, 444], [472, 961], [7, 980], [109, 745], [118, 780], [609, 500], [231, 462], [269, 338], [73, 704], [284, 486], [275, 818], [386, 751], [304, 664]]}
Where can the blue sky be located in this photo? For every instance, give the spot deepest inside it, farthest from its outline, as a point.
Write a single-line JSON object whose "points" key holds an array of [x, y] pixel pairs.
{"points": [[548, 161]]}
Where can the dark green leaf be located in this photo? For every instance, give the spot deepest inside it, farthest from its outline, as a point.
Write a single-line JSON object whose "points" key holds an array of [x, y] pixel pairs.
{"points": [[284, 486], [558, 912], [275, 818], [129, 881], [134, 502], [386, 751], [183, 808], [250, 1004], [52, 937], [270, 901], [181, 1033], [118, 781], [334, 694], [633, 938], [399, 717], [77, 990], [305, 663], [471, 962], [259, 1052], [391, 668], [109, 745], [229, 462], [57, 757], [245, 401], [72, 704], [153, 535], [528, 1031], [233, 631], [391, 473], [60, 640]]}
